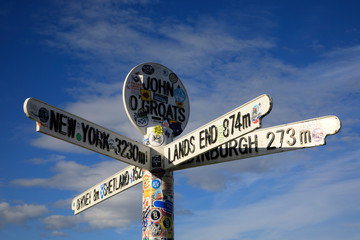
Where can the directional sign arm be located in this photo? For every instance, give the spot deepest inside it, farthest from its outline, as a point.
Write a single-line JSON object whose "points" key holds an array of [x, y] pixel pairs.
{"points": [[288, 137], [111, 186], [236, 123], [76, 130]]}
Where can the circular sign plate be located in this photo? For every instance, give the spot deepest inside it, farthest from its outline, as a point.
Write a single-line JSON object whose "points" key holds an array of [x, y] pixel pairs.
{"points": [[153, 95]]}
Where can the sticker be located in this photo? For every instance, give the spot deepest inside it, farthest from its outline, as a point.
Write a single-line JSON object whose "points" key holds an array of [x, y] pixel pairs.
{"points": [[102, 191], [158, 130], [155, 215], [141, 118], [156, 140], [165, 72], [180, 96], [156, 184], [43, 115], [176, 128], [317, 134], [146, 141], [157, 119], [156, 161], [158, 194], [166, 223], [173, 78], [148, 69], [168, 206], [256, 113], [155, 229], [160, 98], [145, 95], [146, 182]]}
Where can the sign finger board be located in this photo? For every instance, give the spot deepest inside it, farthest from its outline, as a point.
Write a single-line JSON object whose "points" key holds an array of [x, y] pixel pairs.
{"points": [[73, 129], [288, 137], [111, 186], [238, 122]]}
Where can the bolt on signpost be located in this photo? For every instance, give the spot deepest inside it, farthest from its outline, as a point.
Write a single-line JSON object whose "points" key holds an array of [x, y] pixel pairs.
{"points": [[157, 104]]}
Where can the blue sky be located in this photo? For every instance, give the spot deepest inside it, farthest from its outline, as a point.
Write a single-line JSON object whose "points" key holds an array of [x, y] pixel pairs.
{"points": [[76, 55]]}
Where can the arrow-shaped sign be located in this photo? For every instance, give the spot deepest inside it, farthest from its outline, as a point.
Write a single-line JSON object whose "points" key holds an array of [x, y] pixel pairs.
{"points": [[73, 129], [236, 123], [111, 186], [288, 137]]}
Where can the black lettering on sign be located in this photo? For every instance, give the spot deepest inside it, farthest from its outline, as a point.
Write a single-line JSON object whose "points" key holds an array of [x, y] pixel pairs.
{"points": [[137, 173], [305, 137], [208, 136], [96, 195], [236, 122], [246, 145], [182, 149], [71, 127], [54, 121], [85, 131], [129, 151], [160, 109], [62, 124], [158, 86], [243, 145], [95, 137], [133, 103], [83, 201]]}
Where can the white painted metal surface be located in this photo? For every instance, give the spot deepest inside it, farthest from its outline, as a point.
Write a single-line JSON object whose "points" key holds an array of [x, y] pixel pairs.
{"points": [[111, 186], [73, 129], [236, 123], [288, 137], [153, 95]]}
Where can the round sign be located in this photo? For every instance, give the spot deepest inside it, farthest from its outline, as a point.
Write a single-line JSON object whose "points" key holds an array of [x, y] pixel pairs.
{"points": [[153, 95]]}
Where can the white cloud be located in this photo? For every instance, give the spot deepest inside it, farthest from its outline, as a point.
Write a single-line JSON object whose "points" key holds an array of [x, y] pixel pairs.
{"points": [[20, 214], [320, 195], [117, 212], [70, 175]]}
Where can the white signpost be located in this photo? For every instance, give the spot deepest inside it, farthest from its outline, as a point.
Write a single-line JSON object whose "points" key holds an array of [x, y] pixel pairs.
{"points": [[73, 129], [288, 137], [238, 122], [109, 187], [157, 104]]}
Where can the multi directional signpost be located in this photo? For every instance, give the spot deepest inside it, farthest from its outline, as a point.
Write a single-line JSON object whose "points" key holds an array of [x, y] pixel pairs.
{"points": [[158, 106]]}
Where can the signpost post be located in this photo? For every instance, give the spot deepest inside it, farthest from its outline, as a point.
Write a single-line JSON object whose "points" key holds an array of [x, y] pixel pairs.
{"points": [[157, 104]]}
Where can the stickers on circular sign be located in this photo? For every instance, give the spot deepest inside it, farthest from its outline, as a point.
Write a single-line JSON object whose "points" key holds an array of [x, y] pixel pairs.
{"points": [[154, 95]]}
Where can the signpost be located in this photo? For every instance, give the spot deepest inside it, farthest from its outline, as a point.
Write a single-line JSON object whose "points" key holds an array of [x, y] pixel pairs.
{"points": [[109, 187], [158, 106], [73, 129], [288, 137], [238, 122]]}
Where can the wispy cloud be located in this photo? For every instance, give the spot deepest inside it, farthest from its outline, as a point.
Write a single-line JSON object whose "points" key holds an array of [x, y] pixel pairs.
{"points": [[20, 214], [319, 195]]}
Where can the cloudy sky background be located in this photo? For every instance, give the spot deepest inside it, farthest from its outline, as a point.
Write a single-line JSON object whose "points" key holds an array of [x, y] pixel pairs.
{"points": [[76, 55]]}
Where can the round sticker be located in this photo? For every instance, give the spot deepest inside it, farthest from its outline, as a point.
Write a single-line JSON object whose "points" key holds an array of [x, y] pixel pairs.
{"points": [[166, 223], [154, 95], [43, 115], [155, 215], [156, 184]]}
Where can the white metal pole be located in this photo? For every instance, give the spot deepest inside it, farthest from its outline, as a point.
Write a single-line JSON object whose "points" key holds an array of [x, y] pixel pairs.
{"points": [[158, 191]]}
